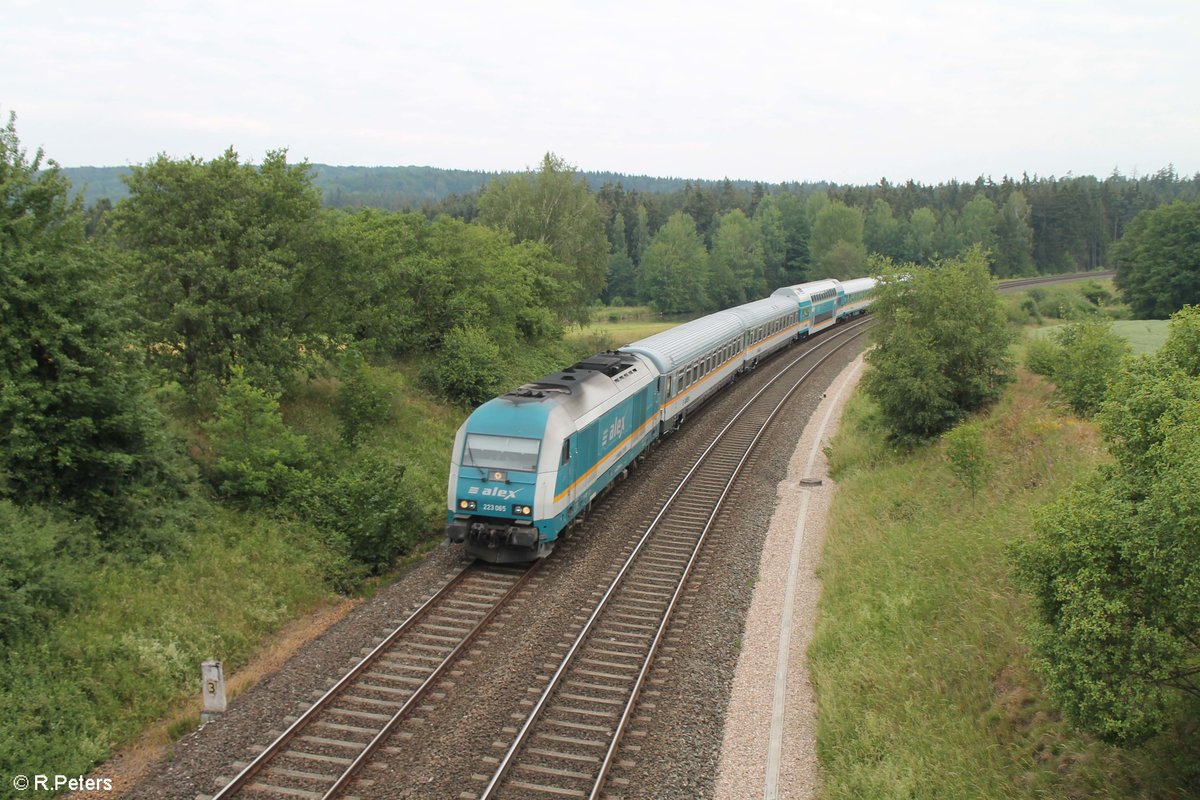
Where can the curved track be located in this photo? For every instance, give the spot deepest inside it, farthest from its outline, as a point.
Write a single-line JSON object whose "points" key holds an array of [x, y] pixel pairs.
{"points": [[570, 738]]}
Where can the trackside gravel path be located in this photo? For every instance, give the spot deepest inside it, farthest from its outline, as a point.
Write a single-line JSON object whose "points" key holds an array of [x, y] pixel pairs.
{"points": [[769, 745]]}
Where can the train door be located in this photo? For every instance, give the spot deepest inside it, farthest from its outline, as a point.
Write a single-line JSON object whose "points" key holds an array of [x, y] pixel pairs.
{"points": [[568, 462]]}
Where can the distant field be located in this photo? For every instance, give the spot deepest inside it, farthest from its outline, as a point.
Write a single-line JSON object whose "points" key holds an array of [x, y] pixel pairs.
{"points": [[1144, 335], [616, 326]]}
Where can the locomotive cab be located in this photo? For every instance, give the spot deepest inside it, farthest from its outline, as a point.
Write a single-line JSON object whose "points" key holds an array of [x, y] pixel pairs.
{"points": [[528, 463], [495, 471]]}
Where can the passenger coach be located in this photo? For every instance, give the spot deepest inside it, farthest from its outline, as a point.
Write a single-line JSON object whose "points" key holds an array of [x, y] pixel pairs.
{"points": [[527, 464]]}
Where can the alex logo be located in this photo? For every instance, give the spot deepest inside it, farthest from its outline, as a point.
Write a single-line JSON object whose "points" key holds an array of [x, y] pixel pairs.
{"points": [[494, 491]]}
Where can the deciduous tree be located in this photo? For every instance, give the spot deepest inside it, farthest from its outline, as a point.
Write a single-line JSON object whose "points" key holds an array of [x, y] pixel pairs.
{"points": [[737, 249], [942, 346], [675, 267], [75, 428], [967, 453], [1158, 265], [216, 246], [555, 207]]}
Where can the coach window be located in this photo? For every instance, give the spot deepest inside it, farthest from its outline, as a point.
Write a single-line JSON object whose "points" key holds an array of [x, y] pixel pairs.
{"points": [[566, 452]]}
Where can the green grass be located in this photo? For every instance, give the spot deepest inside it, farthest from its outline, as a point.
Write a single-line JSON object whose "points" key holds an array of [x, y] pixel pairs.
{"points": [[604, 336], [924, 685], [615, 326], [93, 679], [1143, 335]]}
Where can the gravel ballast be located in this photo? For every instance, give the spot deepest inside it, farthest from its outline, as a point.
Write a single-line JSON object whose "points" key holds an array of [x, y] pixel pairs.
{"points": [[769, 745], [677, 742]]}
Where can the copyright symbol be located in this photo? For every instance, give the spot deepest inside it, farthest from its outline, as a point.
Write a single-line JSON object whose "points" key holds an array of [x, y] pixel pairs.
{"points": [[20, 783]]}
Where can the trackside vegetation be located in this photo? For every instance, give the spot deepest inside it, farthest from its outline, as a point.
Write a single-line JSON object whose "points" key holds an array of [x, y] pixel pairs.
{"points": [[226, 398], [217, 410], [941, 346], [925, 682], [1011, 611], [1114, 569]]}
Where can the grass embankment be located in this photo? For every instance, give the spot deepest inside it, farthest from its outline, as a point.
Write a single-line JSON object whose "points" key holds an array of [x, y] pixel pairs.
{"points": [[97, 675], [924, 685], [124, 664]]}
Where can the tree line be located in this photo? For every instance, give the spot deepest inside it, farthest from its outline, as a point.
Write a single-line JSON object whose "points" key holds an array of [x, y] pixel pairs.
{"points": [[706, 246], [792, 232]]}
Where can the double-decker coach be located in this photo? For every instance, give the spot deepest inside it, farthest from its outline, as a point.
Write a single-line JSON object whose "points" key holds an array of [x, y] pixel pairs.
{"points": [[820, 298], [856, 298]]}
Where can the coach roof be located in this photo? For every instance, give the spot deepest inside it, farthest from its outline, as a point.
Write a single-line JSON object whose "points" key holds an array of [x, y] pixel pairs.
{"points": [[674, 348]]}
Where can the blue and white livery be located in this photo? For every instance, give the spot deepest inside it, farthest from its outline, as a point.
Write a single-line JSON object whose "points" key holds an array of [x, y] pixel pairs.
{"points": [[527, 464]]}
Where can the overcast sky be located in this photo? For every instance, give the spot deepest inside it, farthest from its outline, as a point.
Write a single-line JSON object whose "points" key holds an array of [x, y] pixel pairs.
{"points": [[846, 91]]}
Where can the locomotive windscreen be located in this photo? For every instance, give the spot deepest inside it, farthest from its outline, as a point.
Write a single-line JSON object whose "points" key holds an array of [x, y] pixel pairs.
{"points": [[501, 452]]}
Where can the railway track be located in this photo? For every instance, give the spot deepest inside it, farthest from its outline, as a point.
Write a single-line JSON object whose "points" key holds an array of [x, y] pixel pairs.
{"points": [[1043, 280], [322, 751], [570, 738], [569, 741]]}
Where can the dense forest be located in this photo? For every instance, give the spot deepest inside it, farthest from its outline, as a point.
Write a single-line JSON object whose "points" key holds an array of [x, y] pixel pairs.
{"points": [[391, 188]]}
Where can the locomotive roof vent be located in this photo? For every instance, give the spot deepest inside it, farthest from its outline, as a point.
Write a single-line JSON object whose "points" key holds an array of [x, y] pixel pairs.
{"points": [[540, 389], [611, 363]]}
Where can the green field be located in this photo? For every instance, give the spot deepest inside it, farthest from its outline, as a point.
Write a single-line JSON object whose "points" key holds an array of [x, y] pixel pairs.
{"points": [[615, 326], [924, 685], [1143, 335]]}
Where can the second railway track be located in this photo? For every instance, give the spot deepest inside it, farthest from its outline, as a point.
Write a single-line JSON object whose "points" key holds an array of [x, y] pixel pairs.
{"points": [[570, 738]]}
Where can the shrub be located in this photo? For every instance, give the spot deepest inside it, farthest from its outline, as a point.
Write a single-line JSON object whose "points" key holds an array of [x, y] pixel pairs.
{"points": [[40, 568], [1091, 356], [467, 367], [257, 458], [1030, 307], [369, 506], [1097, 295], [362, 402], [967, 454], [1042, 356]]}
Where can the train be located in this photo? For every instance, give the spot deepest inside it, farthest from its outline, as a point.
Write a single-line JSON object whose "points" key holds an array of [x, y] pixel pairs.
{"points": [[528, 464]]}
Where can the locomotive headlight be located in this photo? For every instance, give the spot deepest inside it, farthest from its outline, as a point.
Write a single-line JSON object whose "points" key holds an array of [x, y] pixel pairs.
{"points": [[466, 505], [522, 511]]}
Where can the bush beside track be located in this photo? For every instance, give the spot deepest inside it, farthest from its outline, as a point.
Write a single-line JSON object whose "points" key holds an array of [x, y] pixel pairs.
{"points": [[924, 684]]}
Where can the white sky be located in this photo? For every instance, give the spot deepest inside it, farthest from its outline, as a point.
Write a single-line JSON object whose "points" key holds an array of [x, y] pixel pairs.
{"points": [[846, 91]]}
